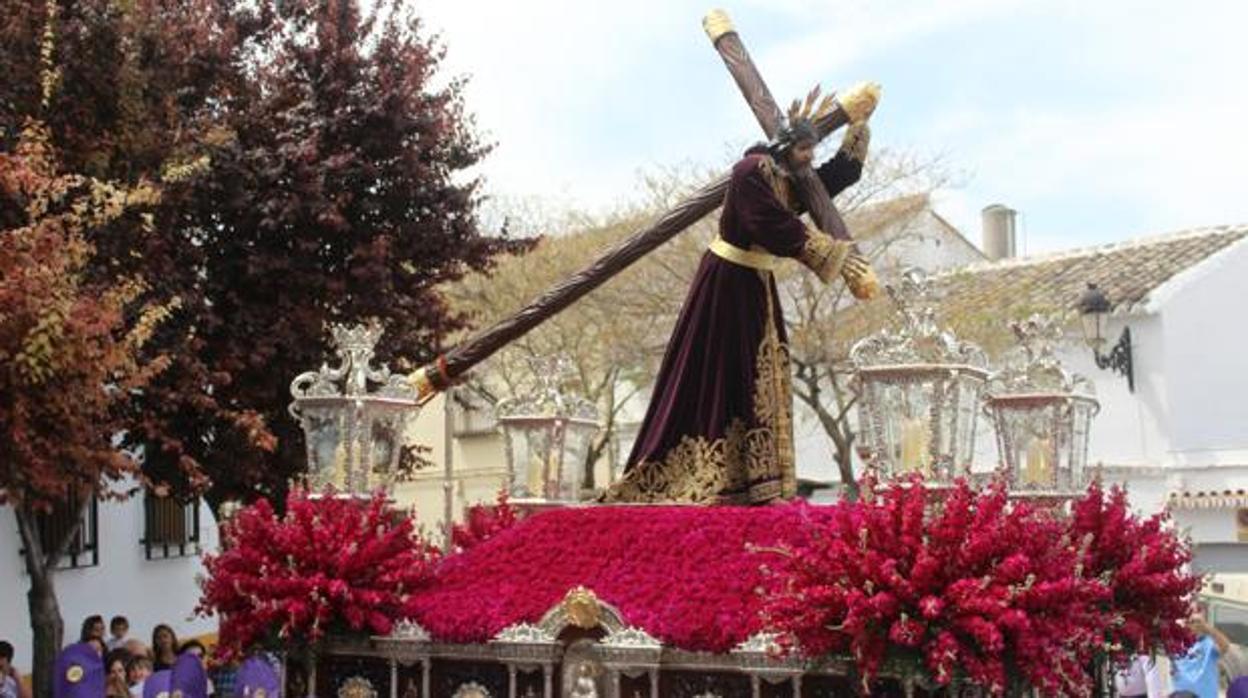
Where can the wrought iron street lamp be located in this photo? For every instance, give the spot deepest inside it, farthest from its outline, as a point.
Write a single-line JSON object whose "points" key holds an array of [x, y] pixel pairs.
{"points": [[547, 436], [354, 416], [1094, 309], [1042, 413], [918, 391]]}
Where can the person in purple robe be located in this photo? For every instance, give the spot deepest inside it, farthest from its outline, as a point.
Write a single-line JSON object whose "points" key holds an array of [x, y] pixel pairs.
{"points": [[188, 679], [719, 426], [257, 679], [157, 685], [79, 672]]}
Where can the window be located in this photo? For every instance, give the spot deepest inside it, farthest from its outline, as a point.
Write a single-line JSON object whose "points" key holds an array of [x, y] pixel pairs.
{"points": [[171, 526], [84, 549]]}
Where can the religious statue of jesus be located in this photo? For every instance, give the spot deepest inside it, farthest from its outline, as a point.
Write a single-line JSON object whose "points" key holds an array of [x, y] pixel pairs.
{"points": [[719, 425]]}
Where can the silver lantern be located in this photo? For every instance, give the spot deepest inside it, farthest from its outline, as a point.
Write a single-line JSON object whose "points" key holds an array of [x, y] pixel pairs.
{"points": [[354, 416], [547, 434], [918, 390], [1042, 413]]}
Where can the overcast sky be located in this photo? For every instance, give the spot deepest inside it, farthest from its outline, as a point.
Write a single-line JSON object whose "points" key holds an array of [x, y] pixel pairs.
{"points": [[1099, 120]]}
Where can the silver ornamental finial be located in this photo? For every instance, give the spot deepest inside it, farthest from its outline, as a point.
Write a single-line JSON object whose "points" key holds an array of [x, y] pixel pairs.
{"points": [[1032, 365], [918, 339]]}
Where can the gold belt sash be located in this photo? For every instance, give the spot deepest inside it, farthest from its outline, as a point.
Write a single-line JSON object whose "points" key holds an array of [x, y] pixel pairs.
{"points": [[763, 261]]}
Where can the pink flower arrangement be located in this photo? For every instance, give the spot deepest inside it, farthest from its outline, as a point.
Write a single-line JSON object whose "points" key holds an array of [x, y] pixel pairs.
{"points": [[685, 574], [483, 522], [1143, 562], [328, 565], [965, 585], [979, 587]]}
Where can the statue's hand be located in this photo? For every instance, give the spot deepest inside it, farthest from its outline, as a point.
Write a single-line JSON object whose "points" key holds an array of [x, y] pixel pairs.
{"points": [[860, 277]]}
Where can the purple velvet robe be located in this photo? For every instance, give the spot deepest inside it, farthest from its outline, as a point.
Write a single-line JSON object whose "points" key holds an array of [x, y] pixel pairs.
{"points": [[188, 678], [719, 428], [79, 672]]}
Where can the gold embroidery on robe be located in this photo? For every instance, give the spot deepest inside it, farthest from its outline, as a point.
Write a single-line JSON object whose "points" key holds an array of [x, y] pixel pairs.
{"points": [[856, 142], [780, 182], [741, 467]]}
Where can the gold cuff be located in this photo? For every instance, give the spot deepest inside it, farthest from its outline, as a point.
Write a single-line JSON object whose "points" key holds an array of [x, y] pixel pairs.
{"points": [[754, 259], [860, 277], [857, 140], [859, 101], [823, 254]]}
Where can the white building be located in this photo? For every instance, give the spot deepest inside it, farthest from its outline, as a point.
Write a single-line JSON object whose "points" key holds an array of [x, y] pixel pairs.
{"points": [[908, 232], [138, 558], [1176, 433]]}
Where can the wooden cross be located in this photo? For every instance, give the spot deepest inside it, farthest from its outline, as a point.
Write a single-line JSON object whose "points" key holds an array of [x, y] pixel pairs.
{"points": [[851, 106], [810, 190]]}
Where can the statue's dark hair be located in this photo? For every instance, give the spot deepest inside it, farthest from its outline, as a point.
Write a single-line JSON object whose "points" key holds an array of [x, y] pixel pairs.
{"points": [[799, 131]]}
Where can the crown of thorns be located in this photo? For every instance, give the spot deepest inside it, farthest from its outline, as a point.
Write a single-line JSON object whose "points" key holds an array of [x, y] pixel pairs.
{"points": [[807, 110], [801, 119]]}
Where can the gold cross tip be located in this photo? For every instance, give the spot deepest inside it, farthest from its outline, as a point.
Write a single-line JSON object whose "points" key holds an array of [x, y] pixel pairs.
{"points": [[420, 382], [859, 101], [716, 23]]}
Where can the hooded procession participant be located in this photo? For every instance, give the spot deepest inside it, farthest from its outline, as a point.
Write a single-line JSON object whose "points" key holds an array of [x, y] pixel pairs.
{"points": [[188, 679], [257, 679], [79, 672], [157, 685], [719, 425]]}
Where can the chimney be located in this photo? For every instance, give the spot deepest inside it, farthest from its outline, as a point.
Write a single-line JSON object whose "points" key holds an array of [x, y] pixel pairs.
{"points": [[999, 237]]}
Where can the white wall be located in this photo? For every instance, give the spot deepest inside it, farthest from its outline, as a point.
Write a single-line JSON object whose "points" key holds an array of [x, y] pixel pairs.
{"points": [[924, 241], [1207, 361], [478, 470], [125, 583], [1131, 428], [1186, 425]]}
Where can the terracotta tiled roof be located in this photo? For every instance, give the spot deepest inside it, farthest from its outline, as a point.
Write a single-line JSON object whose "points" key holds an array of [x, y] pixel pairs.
{"points": [[871, 220], [1127, 272]]}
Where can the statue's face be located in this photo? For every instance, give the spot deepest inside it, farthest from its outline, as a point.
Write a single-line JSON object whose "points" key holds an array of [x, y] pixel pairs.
{"points": [[801, 154]]}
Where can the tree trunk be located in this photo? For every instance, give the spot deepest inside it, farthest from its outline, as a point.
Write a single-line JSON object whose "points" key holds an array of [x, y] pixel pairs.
{"points": [[842, 438], [834, 425], [46, 625], [48, 630]]}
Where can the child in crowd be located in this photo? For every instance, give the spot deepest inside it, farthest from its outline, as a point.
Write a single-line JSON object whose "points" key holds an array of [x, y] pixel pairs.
{"points": [[118, 630], [137, 671], [10, 682]]}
